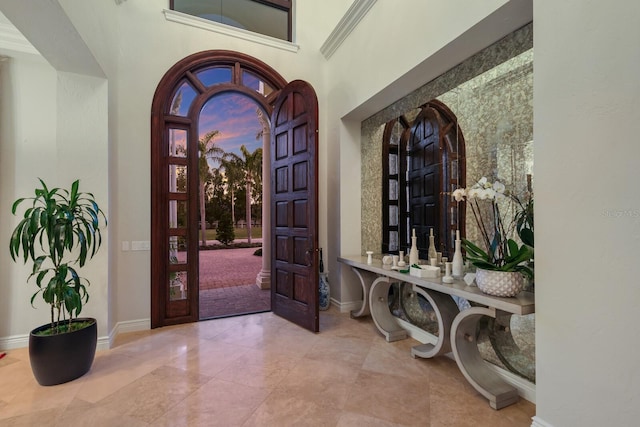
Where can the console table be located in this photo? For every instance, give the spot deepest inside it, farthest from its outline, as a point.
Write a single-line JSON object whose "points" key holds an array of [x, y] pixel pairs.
{"points": [[456, 329]]}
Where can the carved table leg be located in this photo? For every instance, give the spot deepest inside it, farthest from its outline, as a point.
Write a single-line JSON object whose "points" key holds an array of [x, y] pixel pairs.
{"points": [[446, 310], [386, 323], [366, 279], [473, 367]]}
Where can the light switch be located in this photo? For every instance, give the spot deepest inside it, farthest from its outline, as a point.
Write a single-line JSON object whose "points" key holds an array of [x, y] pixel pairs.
{"points": [[140, 245], [125, 245]]}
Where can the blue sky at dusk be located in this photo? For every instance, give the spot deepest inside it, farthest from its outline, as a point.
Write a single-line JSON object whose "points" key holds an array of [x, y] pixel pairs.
{"points": [[234, 116]]}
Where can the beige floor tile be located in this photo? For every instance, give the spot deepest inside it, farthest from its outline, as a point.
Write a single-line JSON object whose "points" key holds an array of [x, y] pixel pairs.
{"points": [[84, 414], [208, 358], [382, 358], [111, 372], [392, 398], [257, 370], [349, 349], [45, 418], [326, 384], [217, 403], [350, 419], [33, 397], [158, 345], [286, 410], [15, 375], [154, 394]]}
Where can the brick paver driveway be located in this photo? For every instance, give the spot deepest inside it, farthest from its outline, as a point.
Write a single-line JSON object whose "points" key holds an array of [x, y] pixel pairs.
{"points": [[228, 283]]}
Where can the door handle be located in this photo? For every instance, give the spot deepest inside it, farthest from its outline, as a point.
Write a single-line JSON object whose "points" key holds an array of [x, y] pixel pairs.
{"points": [[309, 252]]}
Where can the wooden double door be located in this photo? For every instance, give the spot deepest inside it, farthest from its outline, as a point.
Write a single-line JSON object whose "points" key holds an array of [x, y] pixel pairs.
{"points": [[293, 108]]}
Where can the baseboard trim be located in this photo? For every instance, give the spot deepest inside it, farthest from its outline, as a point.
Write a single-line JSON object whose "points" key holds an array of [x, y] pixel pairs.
{"points": [[22, 341], [104, 342], [538, 422], [128, 326], [346, 307], [14, 341]]}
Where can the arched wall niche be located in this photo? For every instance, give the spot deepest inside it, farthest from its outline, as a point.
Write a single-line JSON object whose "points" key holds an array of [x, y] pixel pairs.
{"points": [[491, 95]]}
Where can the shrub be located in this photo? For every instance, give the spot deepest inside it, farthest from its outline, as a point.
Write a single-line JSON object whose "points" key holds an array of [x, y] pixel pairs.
{"points": [[225, 233]]}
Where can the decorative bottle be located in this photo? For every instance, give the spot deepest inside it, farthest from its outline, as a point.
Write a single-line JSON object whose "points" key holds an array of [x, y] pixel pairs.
{"points": [[413, 253], [432, 246], [457, 263], [323, 284]]}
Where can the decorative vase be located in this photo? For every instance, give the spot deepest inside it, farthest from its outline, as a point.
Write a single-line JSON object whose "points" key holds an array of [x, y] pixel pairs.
{"points": [[499, 283], [323, 286], [432, 252], [457, 262], [414, 258], [325, 292]]}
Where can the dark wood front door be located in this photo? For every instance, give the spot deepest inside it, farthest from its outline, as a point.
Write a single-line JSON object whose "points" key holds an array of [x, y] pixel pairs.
{"points": [[294, 205], [437, 166], [425, 178]]}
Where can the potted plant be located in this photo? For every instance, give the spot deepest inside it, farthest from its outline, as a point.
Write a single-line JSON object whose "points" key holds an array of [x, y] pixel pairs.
{"points": [[59, 232], [502, 263]]}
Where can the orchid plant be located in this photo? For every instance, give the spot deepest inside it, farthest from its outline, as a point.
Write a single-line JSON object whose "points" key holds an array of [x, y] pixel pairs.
{"points": [[499, 252]]}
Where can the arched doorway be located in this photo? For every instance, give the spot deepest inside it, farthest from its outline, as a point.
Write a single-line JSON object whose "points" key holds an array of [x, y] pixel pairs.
{"points": [[179, 98], [233, 134], [423, 161]]}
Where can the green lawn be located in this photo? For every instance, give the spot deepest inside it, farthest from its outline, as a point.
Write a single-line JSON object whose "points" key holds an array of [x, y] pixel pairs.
{"points": [[241, 233]]}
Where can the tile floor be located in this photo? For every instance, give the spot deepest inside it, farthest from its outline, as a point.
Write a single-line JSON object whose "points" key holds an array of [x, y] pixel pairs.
{"points": [[255, 370]]}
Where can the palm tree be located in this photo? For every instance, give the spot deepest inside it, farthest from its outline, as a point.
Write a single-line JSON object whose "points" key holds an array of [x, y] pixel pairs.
{"points": [[234, 176], [207, 149], [251, 166]]}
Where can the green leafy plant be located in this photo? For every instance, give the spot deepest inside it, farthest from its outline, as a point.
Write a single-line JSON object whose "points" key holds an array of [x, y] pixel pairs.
{"points": [[500, 252], [59, 230], [225, 233], [524, 221]]}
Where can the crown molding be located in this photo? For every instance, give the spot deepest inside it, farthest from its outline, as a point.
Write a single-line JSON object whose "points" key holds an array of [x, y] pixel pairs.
{"points": [[205, 24], [12, 40], [349, 21]]}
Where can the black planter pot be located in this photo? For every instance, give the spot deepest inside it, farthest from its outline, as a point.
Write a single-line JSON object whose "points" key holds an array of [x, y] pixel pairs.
{"points": [[57, 359]]}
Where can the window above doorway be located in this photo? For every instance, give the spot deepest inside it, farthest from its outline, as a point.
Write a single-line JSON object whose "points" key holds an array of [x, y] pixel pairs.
{"points": [[268, 17]]}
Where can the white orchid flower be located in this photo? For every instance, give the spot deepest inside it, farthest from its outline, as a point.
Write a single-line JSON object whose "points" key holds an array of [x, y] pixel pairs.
{"points": [[459, 194], [487, 194], [498, 187], [482, 182], [474, 193]]}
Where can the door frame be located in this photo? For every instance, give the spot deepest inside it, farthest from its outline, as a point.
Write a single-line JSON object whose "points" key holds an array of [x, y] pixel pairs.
{"points": [[163, 310]]}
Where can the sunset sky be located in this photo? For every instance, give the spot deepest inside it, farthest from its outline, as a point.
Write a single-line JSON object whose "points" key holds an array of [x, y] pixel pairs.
{"points": [[234, 115]]}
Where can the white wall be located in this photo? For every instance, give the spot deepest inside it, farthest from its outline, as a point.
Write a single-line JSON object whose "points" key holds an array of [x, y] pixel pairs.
{"points": [[586, 150], [53, 126], [27, 151], [377, 65], [136, 45], [82, 153]]}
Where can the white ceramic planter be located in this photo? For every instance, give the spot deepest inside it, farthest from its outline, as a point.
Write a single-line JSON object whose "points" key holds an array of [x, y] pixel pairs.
{"points": [[499, 283]]}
